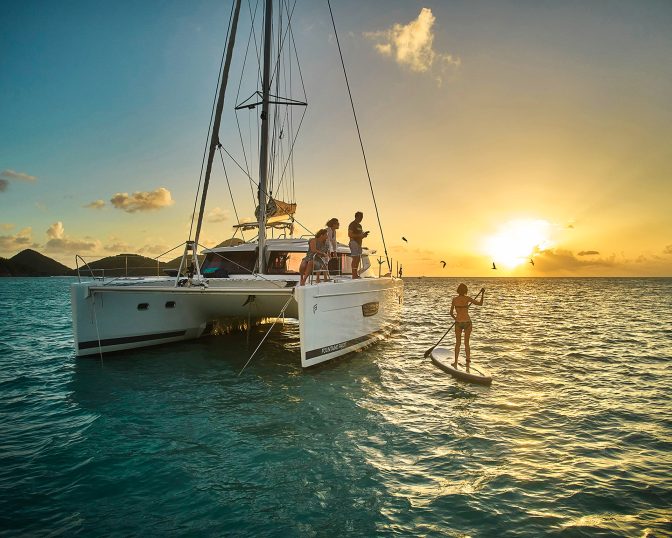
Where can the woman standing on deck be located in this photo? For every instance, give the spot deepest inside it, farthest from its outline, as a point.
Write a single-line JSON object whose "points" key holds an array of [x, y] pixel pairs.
{"points": [[459, 310]]}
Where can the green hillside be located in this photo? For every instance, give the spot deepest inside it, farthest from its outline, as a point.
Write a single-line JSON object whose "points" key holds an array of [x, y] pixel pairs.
{"points": [[31, 263]]}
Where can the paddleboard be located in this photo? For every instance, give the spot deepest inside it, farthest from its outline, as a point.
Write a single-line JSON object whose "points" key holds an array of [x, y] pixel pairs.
{"points": [[444, 358]]}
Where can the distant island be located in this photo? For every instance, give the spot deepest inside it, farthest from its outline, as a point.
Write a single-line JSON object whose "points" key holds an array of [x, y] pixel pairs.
{"points": [[30, 263]]}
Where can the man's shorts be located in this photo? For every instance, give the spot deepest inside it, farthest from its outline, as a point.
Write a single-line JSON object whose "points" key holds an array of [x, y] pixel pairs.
{"points": [[355, 248]]}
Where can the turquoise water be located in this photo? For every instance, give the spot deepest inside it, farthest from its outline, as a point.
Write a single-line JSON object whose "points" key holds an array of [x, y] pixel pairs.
{"points": [[574, 438]]}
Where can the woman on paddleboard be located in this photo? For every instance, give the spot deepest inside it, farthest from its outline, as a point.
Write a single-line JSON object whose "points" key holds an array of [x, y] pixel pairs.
{"points": [[459, 310]]}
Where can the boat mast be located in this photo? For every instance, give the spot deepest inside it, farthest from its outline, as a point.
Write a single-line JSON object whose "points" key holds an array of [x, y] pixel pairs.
{"points": [[214, 138], [263, 150]]}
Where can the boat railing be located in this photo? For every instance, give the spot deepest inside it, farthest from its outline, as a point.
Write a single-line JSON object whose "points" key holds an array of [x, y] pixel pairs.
{"points": [[112, 273], [91, 270]]}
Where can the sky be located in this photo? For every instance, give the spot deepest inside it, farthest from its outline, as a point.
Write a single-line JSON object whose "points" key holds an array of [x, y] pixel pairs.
{"points": [[532, 135]]}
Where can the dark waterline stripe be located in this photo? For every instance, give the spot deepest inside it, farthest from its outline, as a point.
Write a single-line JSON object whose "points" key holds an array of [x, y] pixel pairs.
{"points": [[129, 339], [342, 345]]}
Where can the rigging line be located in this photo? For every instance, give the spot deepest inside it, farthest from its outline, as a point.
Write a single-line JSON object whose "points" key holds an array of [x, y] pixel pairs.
{"points": [[167, 251], [254, 156], [212, 116], [298, 65], [290, 120], [291, 149], [241, 168], [240, 83], [228, 184], [256, 275], [303, 86], [281, 42], [282, 313], [359, 134], [242, 144], [272, 122], [214, 135], [256, 48], [257, 185], [284, 120]]}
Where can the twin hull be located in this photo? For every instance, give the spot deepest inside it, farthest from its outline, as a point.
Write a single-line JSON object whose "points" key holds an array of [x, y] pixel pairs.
{"points": [[335, 318]]}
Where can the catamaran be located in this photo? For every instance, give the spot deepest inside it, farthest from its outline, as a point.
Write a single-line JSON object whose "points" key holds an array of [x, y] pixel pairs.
{"points": [[243, 282]]}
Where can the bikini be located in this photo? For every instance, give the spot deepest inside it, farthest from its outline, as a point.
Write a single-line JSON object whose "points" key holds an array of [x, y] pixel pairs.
{"points": [[463, 325]]}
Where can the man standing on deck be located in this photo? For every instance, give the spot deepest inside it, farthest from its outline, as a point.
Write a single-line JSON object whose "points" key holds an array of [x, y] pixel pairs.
{"points": [[356, 235]]}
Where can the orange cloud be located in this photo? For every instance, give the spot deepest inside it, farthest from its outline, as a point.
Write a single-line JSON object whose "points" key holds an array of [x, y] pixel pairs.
{"points": [[60, 242], [142, 201], [22, 239], [96, 204]]}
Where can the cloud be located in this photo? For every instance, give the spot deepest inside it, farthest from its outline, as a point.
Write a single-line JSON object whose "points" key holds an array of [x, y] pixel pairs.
{"points": [[96, 204], [8, 175], [60, 242], [120, 246], [155, 250], [22, 239], [412, 45], [142, 201], [668, 249], [587, 253], [6, 226], [217, 215], [56, 230], [20, 176], [564, 260]]}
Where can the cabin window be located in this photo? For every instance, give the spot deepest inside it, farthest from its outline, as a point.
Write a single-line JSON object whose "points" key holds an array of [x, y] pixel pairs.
{"points": [[284, 263], [170, 304], [143, 306], [223, 264]]}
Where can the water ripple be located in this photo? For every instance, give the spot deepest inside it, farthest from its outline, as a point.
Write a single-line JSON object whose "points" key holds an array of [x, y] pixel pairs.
{"points": [[573, 438]]}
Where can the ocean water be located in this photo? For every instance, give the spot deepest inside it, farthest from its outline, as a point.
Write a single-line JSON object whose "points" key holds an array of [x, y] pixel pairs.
{"points": [[573, 438]]}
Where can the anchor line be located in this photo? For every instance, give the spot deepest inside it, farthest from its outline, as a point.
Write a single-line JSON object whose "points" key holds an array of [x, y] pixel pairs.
{"points": [[282, 313], [95, 321]]}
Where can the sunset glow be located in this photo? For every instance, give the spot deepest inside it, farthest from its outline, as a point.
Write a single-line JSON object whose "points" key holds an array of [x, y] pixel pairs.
{"points": [[518, 241], [490, 135]]}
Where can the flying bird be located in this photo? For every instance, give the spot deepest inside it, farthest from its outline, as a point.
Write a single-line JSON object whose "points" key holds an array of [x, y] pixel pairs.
{"points": [[493, 265], [405, 239], [444, 264], [532, 262]]}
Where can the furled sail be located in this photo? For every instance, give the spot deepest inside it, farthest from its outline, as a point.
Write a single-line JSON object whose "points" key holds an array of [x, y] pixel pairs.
{"points": [[276, 209]]}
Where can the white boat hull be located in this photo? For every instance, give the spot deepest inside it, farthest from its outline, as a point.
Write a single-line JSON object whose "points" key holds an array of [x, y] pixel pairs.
{"points": [[338, 318], [335, 318], [117, 318]]}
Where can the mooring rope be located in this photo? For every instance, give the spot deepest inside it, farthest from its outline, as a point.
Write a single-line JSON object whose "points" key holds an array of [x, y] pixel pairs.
{"points": [[281, 314], [95, 320]]}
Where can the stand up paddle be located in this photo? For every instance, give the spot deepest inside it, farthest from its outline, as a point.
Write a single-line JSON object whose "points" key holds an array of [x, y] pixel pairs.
{"points": [[444, 335]]}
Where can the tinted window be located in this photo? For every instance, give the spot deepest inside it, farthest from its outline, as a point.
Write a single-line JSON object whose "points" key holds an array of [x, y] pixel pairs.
{"points": [[224, 264], [285, 263]]}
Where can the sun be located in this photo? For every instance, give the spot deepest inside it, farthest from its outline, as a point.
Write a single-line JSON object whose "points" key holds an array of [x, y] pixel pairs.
{"points": [[518, 241]]}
